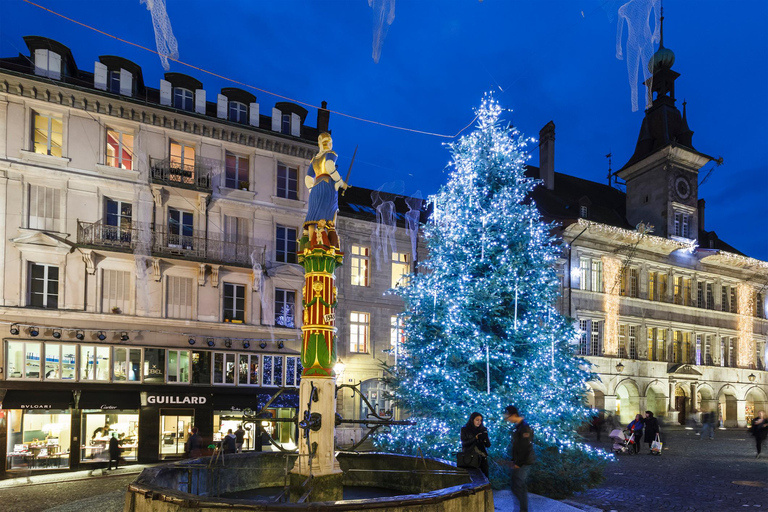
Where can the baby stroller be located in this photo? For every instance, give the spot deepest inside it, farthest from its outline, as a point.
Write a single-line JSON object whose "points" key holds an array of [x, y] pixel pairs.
{"points": [[621, 442]]}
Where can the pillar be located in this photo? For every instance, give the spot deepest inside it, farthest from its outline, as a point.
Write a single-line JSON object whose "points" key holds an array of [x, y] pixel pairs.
{"points": [[741, 413], [694, 397], [320, 255], [672, 412]]}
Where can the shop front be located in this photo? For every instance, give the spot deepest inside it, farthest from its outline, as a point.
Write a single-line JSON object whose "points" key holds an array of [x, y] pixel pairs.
{"points": [[105, 415], [228, 414], [38, 429]]}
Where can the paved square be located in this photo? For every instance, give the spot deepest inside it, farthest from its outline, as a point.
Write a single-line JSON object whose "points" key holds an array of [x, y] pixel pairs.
{"points": [[692, 475]]}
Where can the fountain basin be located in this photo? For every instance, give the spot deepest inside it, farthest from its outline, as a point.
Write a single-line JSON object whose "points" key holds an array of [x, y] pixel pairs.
{"points": [[251, 481]]}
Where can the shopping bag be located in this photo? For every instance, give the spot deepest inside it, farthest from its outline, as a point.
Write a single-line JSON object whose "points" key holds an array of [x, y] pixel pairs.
{"points": [[468, 460], [656, 445]]}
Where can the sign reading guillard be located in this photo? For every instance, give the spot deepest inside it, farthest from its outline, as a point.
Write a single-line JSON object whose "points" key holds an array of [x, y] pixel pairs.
{"points": [[176, 400]]}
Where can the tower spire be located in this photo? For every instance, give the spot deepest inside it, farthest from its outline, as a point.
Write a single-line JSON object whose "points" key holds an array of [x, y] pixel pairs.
{"points": [[661, 40]]}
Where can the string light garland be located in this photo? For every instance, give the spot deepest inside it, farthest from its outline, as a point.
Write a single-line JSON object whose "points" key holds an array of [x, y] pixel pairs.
{"points": [[746, 309], [479, 330], [611, 287]]}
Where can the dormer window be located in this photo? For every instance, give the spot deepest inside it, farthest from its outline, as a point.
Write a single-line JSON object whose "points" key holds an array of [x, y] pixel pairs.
{"points": [[583, 211], [48, 63], [286, 127], [238, 112], [183, 99], [114, 82]]}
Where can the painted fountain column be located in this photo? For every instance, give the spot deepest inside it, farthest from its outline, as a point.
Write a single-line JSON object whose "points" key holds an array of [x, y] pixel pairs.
{"points": [[320, 254]]}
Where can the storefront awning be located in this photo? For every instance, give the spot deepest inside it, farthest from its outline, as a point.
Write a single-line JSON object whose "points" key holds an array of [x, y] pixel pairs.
{"points": [[37, 400], [109, 401]]}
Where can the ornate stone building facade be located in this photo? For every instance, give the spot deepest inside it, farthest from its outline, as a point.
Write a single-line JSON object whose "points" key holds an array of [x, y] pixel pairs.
{"points": [[673, 318], [149, 280]]}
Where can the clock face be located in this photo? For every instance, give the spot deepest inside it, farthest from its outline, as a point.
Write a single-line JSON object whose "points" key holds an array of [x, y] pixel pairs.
{"points": [[682, 187]]}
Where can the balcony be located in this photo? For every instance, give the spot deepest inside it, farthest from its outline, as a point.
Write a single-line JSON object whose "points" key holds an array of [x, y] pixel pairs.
{"points": [[195, 176], [191, 245]]}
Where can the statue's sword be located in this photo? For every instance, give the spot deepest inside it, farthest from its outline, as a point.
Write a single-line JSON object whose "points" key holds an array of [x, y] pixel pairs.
{"points": [[346, 180]]}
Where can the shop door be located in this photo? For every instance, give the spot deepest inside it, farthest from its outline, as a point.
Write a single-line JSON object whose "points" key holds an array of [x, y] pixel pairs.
{"points": [[680, 402], [175, 425]]}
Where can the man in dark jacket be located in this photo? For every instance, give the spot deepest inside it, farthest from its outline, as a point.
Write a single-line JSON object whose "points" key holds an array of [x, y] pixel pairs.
{"points": [[194, 446], [523, 455], [239, 438], [114, 451], [651, 427]]}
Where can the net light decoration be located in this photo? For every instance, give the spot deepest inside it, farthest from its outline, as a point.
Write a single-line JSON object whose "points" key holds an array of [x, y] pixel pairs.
{"points": [[746, 309], [611, 288]]}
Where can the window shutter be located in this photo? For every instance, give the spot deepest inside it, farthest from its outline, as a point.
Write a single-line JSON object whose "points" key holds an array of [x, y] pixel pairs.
{"points": [[253, 120], [179, 297], [295, 125], [277, 118], [200, 101], [41, 62], [44, 205], [221, 106], [126, 83], [100, 76], [54, 65], [165, 93]]}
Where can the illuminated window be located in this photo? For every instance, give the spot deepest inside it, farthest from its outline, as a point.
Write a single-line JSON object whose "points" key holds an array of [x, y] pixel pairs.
{"points": [[178, 366], [60, 362], [182, 161], [401, 268], [597, 275], [23, 360], [293, 370], [119, 149], [272, 374], [622, 340], [224, 368], [47, 134], [285, 308], [249, 370], [633, 342], [126, 364], [358, 332], [94, 362], [359, 265]]}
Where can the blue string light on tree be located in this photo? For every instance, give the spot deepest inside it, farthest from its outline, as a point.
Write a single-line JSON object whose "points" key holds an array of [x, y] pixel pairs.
{"points": [[479, 316]]}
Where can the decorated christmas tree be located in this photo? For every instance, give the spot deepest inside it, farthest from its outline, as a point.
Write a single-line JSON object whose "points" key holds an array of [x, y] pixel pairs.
{"points": [[481, 330]]}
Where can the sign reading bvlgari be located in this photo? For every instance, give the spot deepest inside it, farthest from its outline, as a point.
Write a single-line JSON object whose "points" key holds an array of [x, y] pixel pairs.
{"points": [[175, 400]]}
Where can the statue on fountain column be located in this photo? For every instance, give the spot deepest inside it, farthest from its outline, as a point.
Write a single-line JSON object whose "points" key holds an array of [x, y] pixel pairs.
{"points": [[323, 181]]}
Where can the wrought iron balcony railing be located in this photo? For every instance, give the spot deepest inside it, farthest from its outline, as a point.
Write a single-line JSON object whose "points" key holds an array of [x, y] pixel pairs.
{"points": [[195, 176], [160, 241]]}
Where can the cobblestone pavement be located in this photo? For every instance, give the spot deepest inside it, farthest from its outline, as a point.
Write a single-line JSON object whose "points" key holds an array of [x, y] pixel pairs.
{"points": [[692, 475], [102, 494]]}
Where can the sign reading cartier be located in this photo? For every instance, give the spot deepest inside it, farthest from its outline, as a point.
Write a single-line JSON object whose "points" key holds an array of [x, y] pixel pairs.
{"points": [[175, 400]]}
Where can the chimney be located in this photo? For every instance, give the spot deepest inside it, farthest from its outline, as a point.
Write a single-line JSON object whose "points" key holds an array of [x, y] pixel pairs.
{"points": [[323, 116], [701, 215], [547, 155]]}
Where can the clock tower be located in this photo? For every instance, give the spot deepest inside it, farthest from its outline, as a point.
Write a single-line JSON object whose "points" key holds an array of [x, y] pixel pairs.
{"points": [[662, 175]]}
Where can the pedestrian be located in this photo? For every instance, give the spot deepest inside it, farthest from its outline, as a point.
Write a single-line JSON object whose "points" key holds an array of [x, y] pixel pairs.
{"points": [[650, 428], [636, 428], [760, 431], [194, 445], [239, 438], [474, 440], [708, 425], [114, 451], [597, 425], [523, 455], [229, 444]]}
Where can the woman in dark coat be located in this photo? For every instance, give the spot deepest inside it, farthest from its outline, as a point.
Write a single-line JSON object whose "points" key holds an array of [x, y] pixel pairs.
{"points": [[760, 430], [114, 451], [651, 428], [474, 439]]}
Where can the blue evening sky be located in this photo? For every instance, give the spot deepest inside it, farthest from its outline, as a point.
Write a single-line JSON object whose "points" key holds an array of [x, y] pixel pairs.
{"points": [[554, 60]]}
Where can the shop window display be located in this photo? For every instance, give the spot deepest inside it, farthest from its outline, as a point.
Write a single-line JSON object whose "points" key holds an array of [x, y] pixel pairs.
{"points": [[60, 361], [249, 370], [23, 360], [175, 426], [94, 362], [201, 367], [154, 365], [225, 420], [38, 439], [99, 426], [127, 365]]}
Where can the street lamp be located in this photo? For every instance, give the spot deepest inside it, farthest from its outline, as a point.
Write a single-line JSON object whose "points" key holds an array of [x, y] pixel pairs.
{"points": [[619, 367], [752, 377], [338, 368]]}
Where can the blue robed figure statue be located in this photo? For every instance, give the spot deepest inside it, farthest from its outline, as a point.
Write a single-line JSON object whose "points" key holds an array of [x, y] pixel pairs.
{"points": [[323, 181]]}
